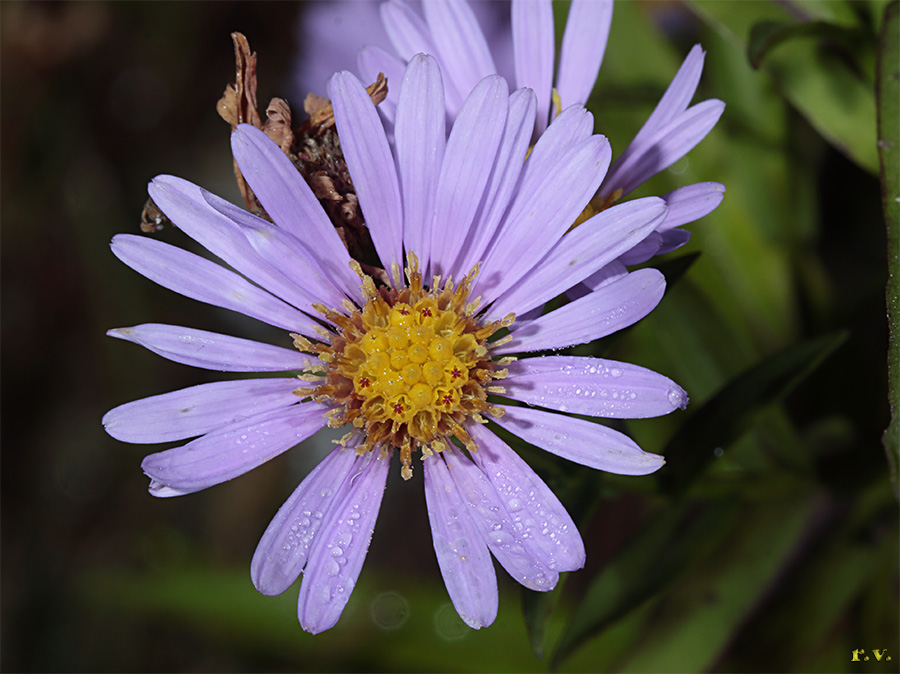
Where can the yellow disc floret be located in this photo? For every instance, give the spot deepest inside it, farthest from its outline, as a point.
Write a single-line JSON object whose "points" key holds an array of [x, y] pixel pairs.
{"points": [[409, 368]]}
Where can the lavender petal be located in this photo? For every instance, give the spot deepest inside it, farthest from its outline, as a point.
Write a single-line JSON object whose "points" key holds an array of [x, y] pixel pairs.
{"points": [[289, 201], [293, 258], [197, 410], [583, 46], [420, 143], [507, 169], [233, 450], [195, 212], [373, 60], [602, 312], [284, 547], [371, 165], [643, 250], [212, 351], [539, 219], [533, 507], [533, 50], [690, 203], [493, 521], [339, 547], [595, 387], [466, 172], [581, 252], [463, 52], [583, 442], [663, 148], [203, 280], [461, 552]]}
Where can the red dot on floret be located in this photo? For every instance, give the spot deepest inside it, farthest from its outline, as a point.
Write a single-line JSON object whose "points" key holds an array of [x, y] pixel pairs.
{"points": [[364, 382], [456, 374], [398, 408], [426, 312]]}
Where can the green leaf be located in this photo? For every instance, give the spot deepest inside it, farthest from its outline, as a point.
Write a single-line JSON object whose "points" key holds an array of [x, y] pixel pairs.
{"points": [[696, 620], [536, 609], [824, 84], [888, 94], [766, 35], [731, 411], [656, 557]]}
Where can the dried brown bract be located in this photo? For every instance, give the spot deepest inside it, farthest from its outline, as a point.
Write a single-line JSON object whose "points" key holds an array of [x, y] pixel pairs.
{"points": [[314, 148]]}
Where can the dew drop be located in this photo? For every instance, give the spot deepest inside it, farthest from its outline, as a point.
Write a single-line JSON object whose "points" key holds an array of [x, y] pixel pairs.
{"points": [[676, 397]]}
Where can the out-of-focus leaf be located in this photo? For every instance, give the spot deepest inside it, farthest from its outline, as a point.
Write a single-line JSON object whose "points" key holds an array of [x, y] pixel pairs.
{"points": [[647, 564], [694, 622], [536, 608], [818, 82], [731, 411], [765, 35], [888, 93], [674, 269]]}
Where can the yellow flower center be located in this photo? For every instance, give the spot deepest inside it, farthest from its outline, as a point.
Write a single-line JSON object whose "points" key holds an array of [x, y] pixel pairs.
{"points": [[409, 368], [414, 364]]}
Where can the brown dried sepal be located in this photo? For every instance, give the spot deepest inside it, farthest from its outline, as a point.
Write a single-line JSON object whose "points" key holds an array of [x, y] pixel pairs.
{"points": [[321, 114], [238, 106], [153, 219]]}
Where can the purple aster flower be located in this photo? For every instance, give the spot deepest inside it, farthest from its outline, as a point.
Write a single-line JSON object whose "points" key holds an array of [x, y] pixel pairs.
{"points": [[413, 362], [450, 31]]}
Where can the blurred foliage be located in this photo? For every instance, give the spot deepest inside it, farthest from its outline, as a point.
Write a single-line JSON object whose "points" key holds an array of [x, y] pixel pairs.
{"points": [[769, 541]]}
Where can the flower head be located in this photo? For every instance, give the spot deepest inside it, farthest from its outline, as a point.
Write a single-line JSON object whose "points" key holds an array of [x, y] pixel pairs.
{"points": [[409, 356]]}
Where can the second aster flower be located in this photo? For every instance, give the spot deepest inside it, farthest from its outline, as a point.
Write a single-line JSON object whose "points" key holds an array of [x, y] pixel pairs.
{"points": [[470, 234]]}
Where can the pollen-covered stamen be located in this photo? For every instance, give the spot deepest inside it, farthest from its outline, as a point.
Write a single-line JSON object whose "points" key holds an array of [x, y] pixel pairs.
{"points": [[410, 367]]}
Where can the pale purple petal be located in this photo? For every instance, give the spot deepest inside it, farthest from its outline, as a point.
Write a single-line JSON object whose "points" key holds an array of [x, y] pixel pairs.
{"points": [[570, 128], [233, 450], [581, 252], [677, 97], [371, 165], [464, 55], [541, 217], [603, 276], [212, 351], [603, 312], [197, 410], [494, 522], [672, 239], [203, 280], [591, 386], [407, 31], [410, 35], [339, 548], [533, 507], [533, 49], [510, 161], [664, 147], [204, 218], [284, 547], [461, 552], [581, 441], [468, 162], [420, 141], [643, 250], [583, 46], [690, 203], [293, 258], [289, 201], [373, 60]]}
